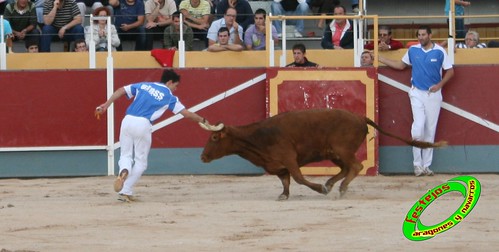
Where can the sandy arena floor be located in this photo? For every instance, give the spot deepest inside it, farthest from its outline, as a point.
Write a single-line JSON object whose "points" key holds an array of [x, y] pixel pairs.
{"points": [[236, 213]]}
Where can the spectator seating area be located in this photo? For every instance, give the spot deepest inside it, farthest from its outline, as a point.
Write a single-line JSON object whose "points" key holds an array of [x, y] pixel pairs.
{"points": [[402, 32]]}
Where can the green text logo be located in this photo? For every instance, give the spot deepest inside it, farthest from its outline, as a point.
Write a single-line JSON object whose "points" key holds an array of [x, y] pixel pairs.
{"points": [[413, 228]]}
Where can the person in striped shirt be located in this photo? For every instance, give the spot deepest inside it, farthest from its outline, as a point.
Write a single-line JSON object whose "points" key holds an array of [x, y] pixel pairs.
{"points": [[61, 18], [472, 40]]}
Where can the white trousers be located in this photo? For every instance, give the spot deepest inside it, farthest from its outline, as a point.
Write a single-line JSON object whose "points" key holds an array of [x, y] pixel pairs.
{"points": [[135, 139], [425, 111]]}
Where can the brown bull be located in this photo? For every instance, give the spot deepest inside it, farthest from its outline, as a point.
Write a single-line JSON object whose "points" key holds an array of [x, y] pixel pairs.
{"points": [[283, 143]]}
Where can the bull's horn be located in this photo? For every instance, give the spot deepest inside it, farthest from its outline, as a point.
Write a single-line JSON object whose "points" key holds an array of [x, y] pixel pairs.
{"points": [[210, 127]]}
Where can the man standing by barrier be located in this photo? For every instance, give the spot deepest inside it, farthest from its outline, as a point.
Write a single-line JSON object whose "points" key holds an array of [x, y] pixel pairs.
{"points": [[427, 60]]}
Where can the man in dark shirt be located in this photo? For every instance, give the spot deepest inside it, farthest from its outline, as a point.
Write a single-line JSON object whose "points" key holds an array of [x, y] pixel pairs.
{"points": [[129, 22], [22, 17], [299, 51]]}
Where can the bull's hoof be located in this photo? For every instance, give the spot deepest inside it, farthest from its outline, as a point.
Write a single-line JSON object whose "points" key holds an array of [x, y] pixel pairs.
{"points": [[282, 197], [342, 193], [329, 189], [325, 191]]}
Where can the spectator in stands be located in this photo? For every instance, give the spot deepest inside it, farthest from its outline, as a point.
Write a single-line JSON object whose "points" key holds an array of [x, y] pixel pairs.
{"points": [[129, 22], [290, 8], [21, 15], [61, 18], [472, 40], [7, 35], [172, 34], [254, 37], [223, 42], [158, 17], [31, 44], [83, 4], [366, 59], [385, 41], [459, 11], [99, 31], [339, 33], [197, 16], [229, 21], [300, 60], [325, 8], [81, 45], [244, 12]]}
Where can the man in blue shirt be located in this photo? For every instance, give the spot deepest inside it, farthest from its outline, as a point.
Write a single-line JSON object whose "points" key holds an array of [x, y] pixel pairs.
{"points": [[129, 22], [427, 60], [151, 100]]}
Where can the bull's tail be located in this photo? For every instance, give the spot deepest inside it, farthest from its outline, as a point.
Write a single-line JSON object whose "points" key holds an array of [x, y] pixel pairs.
{"points": [[412, 142]]}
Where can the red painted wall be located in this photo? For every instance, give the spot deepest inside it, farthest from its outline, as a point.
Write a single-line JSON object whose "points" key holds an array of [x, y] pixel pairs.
{"points": [[55, 108], [473, 89]]}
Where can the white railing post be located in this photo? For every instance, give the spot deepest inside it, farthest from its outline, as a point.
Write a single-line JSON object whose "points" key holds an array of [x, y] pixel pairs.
{"points": [[282, 61], [110, 111], [91, 45], [181, 44], [3, 47]]}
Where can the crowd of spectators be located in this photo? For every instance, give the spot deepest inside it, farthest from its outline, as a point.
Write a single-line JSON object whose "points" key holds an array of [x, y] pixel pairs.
{"points": [[39, 22]]}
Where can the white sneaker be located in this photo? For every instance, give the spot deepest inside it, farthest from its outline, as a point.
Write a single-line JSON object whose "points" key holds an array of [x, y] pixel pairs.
{"points": [[298, 34], [418, 171], [427, 171], [279, 35]]}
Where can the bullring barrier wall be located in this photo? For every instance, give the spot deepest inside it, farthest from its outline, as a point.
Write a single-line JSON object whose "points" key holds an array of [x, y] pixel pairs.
{"points": [[58, 104]]}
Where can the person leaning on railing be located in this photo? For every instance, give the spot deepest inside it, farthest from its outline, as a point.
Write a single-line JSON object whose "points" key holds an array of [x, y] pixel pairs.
{"points": [[229, 21]]}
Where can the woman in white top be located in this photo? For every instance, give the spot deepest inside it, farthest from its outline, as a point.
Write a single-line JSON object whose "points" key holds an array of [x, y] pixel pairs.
{"points": [[100, 31]]}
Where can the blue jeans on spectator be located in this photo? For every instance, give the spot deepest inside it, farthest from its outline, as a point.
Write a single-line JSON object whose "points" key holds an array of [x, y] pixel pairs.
{"points": [[49, 31], [138, 34], [301, 10], [460, 29]]}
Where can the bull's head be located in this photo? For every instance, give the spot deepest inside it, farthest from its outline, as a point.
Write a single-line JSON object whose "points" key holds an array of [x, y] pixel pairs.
{"points": [[218, 144]]}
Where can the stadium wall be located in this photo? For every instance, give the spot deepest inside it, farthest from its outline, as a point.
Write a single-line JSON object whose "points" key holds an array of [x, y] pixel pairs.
{"points": [[55, 109]]}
